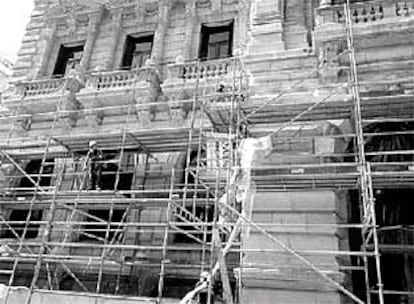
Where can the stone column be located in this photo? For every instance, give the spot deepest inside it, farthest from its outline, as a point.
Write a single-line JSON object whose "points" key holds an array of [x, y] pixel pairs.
{"points": [[164, 10], [190, 24], [49, 38], [115, 35], [93, 29]]}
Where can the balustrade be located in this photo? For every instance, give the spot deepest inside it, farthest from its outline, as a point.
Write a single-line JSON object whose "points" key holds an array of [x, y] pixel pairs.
{"points": [[366, 11], [40, 87], [120, 79], [94, 82], [204, 70], [112, 80]]}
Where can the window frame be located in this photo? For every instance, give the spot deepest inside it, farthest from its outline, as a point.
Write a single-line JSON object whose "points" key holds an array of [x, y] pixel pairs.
{"points": [[129, 50], [64, 55], [206, 31]]}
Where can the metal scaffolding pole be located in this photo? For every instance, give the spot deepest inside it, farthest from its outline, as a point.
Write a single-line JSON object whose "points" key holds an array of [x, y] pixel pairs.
{"points": [[368, 200]]}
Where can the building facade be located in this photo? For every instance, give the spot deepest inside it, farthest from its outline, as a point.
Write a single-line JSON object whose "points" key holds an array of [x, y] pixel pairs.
{"points": [[265, 143]]}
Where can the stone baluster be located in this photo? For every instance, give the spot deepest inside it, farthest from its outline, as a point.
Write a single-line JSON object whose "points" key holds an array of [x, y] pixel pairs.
{"points": [[93, 28], [115, 35], [161, 31], [49, 37], [190, 21]]}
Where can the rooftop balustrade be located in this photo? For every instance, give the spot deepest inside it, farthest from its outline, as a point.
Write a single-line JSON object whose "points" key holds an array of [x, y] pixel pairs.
{"points": [[364, 12]]}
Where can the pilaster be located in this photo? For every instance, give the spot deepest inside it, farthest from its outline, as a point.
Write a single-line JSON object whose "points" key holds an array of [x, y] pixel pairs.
{"points": [[164, 10], [267, 27], [190, 21], [115, 35], [93, 29], [49, 38]]}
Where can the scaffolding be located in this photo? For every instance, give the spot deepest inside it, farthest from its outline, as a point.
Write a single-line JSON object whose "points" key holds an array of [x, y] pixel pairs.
{"points": [[199, 204]]}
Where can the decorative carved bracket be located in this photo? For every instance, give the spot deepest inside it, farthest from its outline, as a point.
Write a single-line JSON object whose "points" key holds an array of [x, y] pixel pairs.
{"points": [[71, 104]]}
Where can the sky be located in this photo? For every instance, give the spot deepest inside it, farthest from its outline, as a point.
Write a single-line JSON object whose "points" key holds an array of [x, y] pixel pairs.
{"points": [[14, 16]]}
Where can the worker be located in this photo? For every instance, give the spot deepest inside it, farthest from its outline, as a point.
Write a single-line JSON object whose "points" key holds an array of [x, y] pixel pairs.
{"points": [[94, 159]]}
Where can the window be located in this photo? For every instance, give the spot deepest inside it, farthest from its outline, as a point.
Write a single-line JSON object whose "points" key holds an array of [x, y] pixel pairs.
{"points": [[216, 41], [137, 51], [69, 58], [17, 223], [33, 169], [97, 229]]}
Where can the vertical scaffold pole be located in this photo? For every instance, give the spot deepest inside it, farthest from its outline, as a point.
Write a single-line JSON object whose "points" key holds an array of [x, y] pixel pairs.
{"points": [[165, 240], [368, 200]]}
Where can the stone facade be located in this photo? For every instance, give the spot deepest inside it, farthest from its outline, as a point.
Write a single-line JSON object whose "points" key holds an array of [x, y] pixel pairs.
{"points": [[294, 52]]}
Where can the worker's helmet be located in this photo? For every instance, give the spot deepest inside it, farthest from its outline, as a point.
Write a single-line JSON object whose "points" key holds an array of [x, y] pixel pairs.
{"points": [[92, 144]]}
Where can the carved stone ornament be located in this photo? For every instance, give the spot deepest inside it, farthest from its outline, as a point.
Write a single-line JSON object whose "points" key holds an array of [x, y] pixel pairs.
{"points": [[71, 104], [71, 13], [25, 122], [145, 115], [328, 53], [74, 110], [177, 114], [180, 106], [95, 116], [145, 111]]}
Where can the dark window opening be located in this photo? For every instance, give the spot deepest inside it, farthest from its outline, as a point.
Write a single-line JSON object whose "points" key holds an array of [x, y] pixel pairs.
{"points": [[103, 170], [202, 211], [177, 288], [216, 41], [17, 222], [33, 168], [69, 284], [69, 58], [195, 161], [96, 229], [137, 51], [206, 215], [394, 211]]}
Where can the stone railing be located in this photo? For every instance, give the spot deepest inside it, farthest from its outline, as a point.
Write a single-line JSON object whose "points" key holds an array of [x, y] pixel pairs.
{"points": [[94, 82], [111, 80], [114, 80], [209, 69], [366, 11], [40, 87]]}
